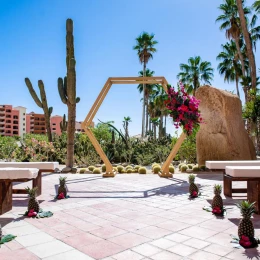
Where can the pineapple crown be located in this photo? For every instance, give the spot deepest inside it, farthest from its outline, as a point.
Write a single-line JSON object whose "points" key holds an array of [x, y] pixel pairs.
{"points": [[246, 208], [217, 189], [62, 180], [191, 178], [31, 192]]}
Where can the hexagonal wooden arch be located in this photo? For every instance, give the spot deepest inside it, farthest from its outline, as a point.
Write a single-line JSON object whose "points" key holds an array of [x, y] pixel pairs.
{"points": [[86, 124]]}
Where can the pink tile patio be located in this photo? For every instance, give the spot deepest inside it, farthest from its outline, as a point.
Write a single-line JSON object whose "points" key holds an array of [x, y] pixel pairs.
{"points": [[129, 217]]}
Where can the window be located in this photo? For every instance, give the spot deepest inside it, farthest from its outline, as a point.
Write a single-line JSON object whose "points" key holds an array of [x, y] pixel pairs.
{"points": [[24, 124], [54, 124], [24, 114], [23, 119], [23, 129]]}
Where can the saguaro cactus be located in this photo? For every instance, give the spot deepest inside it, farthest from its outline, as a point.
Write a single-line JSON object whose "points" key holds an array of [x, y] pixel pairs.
{"points": [[63, 124], [67, 91], [41, 103]]}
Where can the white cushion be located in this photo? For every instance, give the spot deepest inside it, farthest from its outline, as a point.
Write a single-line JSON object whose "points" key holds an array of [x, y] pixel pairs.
{"points": [[39, 165], [220, 165], [243, 171], [18, 173]]}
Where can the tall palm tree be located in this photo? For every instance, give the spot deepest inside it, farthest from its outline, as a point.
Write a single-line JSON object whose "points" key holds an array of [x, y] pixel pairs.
{"points": [[126, 122], [249, 47], [195, 72], [145, 48], [256, 6], [231, 23], [254, 31], [230, 66], [149, 89]]}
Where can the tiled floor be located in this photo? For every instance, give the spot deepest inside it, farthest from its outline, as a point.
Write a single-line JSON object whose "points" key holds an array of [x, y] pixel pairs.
{"points": [[129, 217]]}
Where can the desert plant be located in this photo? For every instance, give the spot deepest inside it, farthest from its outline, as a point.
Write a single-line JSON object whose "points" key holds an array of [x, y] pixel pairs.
{"points": [[120, 168], [190, 166], [129, 170], [202, 168], [156, 169], [67, 91], [171, 169], [91, 168], [180, 165], [41, 103], [142, 170], [115, 169], [184, 168], [63, 124], [128, 167], [82, 170], [97, 171], [103, 168], [196, 168], [137, 167]]}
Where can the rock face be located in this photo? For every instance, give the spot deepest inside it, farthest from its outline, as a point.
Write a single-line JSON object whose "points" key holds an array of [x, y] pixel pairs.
{"points": [[222, 136]]}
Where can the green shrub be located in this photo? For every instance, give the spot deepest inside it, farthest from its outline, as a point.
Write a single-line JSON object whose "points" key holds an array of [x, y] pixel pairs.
{"points": [[142, 170], [120, 168], [180, 165], [91, 168], [196, 168], [190, 166], [156, 168], [103, 168], [184, 168], [202, 167], [171, 169], [83, 170], [129, 170], [97, 171]]}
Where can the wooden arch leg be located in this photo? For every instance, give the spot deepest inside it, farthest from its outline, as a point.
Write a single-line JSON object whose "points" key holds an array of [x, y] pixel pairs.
{"points": [[165, 168]]}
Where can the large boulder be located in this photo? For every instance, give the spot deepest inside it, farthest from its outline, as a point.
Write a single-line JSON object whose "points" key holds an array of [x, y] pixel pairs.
{"points": [[222, 136]]}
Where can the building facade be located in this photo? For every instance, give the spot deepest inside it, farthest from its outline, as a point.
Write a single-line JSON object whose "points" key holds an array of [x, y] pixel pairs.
{"points": [[15, 122]]}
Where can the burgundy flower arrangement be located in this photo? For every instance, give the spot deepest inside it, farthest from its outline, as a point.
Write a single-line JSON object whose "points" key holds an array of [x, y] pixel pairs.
{"points": [[183, 109]]}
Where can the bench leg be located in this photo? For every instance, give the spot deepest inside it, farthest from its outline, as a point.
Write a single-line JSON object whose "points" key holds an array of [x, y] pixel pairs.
{"points": [[5, 196], [227, 186], [37, 182], [253, 194]]}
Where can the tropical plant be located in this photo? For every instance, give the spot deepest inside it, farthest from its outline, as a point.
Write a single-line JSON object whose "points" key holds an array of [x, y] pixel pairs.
{"points": [[145, 48], [126, 122], [229, 65], [256, 6], [195, 73], [248, 41], [230, 22]]}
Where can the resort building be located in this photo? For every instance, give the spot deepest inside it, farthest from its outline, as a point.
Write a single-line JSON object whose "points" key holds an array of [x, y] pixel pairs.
{"points": [[35, 123], [12, 120], [55, 124]]}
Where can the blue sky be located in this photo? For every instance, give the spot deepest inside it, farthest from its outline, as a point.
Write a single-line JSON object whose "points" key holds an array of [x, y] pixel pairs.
{"points": [[33, 45]]}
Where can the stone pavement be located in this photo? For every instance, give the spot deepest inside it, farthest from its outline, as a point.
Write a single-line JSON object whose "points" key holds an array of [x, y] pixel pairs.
{"points": [[129, 217]]}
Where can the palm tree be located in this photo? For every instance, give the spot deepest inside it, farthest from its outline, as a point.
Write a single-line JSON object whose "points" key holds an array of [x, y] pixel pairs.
{"points": [[145, 48], [231, 23], [249, 47], [126, 122], [196, 72], [254, 31], [229, 65], [149, 89], [256, 5]]}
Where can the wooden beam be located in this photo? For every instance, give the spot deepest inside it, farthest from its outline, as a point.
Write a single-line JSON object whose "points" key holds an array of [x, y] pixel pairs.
{"points": [[136, 82], [165, 168], [109, 167]]}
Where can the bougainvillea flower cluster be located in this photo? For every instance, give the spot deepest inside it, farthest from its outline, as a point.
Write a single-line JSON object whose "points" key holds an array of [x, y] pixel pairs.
{"points": [[183, 108]]}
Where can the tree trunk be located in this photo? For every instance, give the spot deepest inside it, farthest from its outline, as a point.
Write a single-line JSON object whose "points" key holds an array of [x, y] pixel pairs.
{"points": [[237, 85], [165, 117], [143, 115], [161, 127], [150, 124], [146, 119], [154, 130], [249, 47], [240, 55]]}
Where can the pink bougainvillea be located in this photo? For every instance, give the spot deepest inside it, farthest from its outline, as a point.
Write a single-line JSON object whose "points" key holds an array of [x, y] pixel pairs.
{"points": [[183, 109]]}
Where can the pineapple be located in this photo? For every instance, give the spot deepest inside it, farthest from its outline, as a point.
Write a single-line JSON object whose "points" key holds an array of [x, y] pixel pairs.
{"points": [[33, 202], [193, 187], [217, 200], [62, 187], [245, 226]]}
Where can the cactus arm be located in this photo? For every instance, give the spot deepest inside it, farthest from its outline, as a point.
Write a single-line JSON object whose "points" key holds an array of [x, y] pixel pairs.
{"points": [[77, 99], [65, 86], [50, 110], [33, 93], [62, 91]]}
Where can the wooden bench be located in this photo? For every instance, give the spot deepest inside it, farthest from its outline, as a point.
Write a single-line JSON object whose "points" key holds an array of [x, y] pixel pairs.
{"points": [[221, 166], [41, 166], [10, 175], [250, 174]]}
